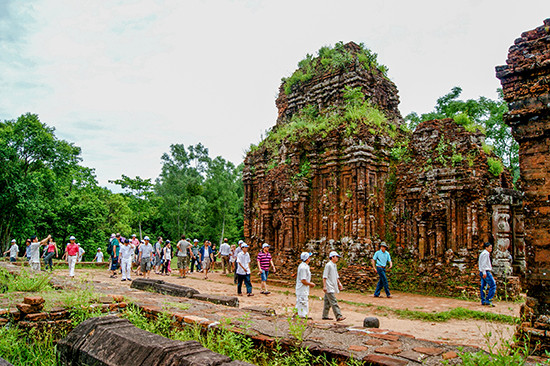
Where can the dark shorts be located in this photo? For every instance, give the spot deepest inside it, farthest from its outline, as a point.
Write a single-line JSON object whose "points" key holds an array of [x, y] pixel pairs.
{"points": [[114, 263], [12, 259]]}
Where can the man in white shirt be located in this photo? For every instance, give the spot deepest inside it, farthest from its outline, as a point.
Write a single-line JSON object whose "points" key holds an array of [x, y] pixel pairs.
{"points": [[35, 251], [485, 273], [125, 259], [303, 284], [225, 250], [243, 271], [14, 250], [145, 252], [331, 286], [98, 256]]}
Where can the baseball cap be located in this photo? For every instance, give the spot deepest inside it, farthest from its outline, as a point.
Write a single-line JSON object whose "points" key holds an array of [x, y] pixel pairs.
{"points": [[196, 241], [168, 241], [333, 254], [304, 256], [265, 245], [72, 238], [244, 245], [383, 244], [133, 235], [146, 238], [99, 249], [240, 242], [13, 240]]}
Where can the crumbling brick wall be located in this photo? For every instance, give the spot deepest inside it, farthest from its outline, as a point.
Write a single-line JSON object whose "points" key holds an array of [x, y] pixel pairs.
{"points": [[526, 84]]}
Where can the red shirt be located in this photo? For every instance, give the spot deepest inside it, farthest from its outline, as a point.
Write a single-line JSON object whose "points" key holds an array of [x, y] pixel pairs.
{"points": [[72, 249]]}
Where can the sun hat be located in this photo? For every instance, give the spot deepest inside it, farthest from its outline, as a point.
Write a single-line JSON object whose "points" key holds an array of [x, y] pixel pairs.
{"points": [[333, 254], [304, 256], [383, 244]]}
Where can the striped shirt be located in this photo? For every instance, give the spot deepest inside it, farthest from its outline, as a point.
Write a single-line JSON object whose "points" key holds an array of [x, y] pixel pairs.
{"points": [[264, 259]]}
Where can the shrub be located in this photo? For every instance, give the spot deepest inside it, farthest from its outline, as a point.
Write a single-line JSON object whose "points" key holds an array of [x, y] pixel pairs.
{"points": [[495, 166]]}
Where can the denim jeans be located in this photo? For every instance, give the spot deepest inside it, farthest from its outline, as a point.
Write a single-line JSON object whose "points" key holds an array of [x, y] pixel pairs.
{"points": [[382, 282], [246, 279], [488, 281], [48, 260]]}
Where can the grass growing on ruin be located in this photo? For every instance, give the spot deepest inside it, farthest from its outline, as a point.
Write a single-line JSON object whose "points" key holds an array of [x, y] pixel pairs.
{"points": [[223, 341], [25, 282]]}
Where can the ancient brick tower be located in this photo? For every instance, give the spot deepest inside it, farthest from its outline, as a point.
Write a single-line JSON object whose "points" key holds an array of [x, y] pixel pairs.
{"points": [[526, 83]]}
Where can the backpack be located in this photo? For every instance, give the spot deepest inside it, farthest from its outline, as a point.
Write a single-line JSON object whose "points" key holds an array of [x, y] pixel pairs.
{"points": [[110, 248], [137, 250]]}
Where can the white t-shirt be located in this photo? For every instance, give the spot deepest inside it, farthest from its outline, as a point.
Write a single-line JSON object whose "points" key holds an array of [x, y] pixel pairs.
{"points": [[99, 257], [244, 259], [35, 252], [146, 250], [14, 250], [225, 249], [167, 254], [331, 274], [126, 252], [303, 274]]}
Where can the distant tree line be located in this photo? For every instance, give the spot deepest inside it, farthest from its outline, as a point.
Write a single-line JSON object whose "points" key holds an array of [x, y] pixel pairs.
{"points": [[45, 190]]}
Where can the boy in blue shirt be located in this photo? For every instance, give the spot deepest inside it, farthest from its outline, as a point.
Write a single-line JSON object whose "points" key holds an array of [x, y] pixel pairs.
{"points": [[380, 262]]}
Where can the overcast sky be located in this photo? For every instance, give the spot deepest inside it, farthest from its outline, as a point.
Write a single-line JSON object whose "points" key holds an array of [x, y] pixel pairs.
{"points": [[126, 79]]}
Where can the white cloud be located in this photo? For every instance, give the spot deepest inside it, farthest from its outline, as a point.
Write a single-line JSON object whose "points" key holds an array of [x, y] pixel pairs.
{"points": [[126, 81]]}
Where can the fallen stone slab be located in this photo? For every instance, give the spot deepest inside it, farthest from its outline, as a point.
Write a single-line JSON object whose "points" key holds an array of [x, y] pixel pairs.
{"points": [[261, 310], [166, 288], [145, 284], [218, 299], [112, 341], [4, 362]]}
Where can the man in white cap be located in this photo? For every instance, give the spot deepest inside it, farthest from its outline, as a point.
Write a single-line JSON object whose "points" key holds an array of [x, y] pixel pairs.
{"points": [[71, 253], [303, 284], [14, 251], [35, 251], [380, 262], [264, 263], [145, 252], [331, 286], [223, 253]]}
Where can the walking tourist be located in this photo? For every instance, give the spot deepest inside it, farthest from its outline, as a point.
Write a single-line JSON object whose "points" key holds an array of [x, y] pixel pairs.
{"points": [[71, 253], [80, 252], [28, 249], [145, 252], [51, 250], [485, 273], [34, 249], [232, 257], [184, 254], [207, 257], [158, 254], [167, 257], [225, 251], [115, 252], [195, 256], [237, 251], [332, 286], [14, 251], [243, 271], [98, 256], [136, 258], [264, 263], [303, 284], [125, 260], [380, 261]]}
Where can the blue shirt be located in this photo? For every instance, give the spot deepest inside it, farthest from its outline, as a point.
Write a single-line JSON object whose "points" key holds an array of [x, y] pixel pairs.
{"points": [[382, 258]]}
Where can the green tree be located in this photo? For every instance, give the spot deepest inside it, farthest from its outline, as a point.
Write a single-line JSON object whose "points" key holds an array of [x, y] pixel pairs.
{"points": [[34, 164], [140, 190], [485, 114]]}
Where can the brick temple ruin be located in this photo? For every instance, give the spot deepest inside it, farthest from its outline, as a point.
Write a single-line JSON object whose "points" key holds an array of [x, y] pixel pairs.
{"points": [[348, 191], [526, 84]]}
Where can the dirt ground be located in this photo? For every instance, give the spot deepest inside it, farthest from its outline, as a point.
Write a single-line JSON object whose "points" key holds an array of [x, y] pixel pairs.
{"points": [[478, 333]]}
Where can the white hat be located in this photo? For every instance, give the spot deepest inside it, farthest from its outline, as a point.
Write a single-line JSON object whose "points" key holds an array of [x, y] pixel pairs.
{"points": [[304, 256], [72, 238], [196, 241], [240, 242], [333, 254], [113, 235], [265, 245], [146, 238], [133, 235], [244, 245], [13, 240], [98, 248]]}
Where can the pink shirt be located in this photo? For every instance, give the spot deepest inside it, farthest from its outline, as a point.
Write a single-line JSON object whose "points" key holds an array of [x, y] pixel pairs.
{"points": [[72, 249]]}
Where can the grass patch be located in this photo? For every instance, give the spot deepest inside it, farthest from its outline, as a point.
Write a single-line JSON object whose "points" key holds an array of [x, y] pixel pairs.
{"points": [[24, 282]]}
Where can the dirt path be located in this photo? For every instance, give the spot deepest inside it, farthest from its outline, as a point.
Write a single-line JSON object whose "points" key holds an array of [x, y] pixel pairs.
{"points": [[355, 308]]}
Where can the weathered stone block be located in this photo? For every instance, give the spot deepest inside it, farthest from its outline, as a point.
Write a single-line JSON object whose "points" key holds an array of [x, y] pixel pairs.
{"points": [[219, 299], [109, 340], [29, 309], [33, 300]]}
